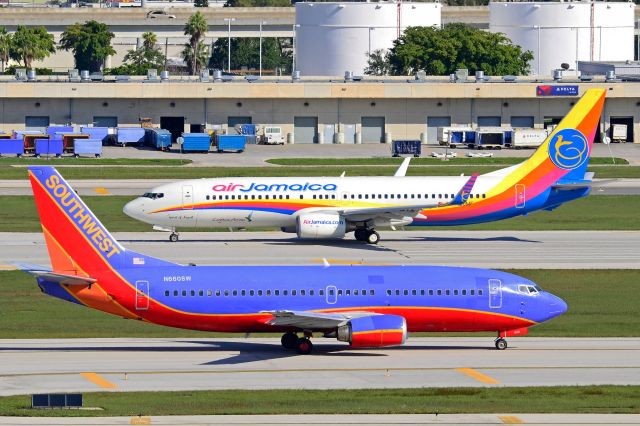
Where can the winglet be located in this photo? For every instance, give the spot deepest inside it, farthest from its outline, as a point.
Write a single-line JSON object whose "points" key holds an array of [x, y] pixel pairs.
{"points": [[402, 170], [325, 262], [462, 196]]}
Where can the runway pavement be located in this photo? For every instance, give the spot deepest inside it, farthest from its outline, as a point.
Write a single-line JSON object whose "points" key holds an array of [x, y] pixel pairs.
{"points": [[486, 249], [85, 365]]}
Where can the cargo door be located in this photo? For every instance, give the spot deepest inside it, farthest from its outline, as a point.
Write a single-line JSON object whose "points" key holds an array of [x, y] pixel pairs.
{"points": [[349, 133], [328, 131], [372, 129], [305, 129], [520, 196], [432, 127], [495, 294], [142, 295]]}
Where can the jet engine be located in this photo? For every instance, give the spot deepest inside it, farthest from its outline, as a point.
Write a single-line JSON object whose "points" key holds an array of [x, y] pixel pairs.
{"points": [[374, 331], [321, 225]]}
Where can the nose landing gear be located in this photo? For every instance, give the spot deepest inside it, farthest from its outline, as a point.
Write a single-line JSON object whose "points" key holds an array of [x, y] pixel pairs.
{"points": [[173, 237], [501, 344]]}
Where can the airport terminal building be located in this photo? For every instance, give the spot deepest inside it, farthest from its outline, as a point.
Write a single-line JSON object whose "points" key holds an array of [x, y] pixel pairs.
{"points": [[312, 110]]}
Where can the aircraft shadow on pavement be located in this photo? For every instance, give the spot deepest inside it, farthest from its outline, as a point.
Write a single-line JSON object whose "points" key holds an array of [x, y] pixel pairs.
{"points": [[471, 239]]}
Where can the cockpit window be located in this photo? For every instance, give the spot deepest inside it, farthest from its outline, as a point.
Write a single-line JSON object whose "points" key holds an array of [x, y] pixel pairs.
{"points": [[533, 289], [528, 289], [153, 195], [523, 289]]}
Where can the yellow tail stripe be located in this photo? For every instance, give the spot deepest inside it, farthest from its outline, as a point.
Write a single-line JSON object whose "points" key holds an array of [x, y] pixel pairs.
{"points": [[98, 380], [478, 376]]}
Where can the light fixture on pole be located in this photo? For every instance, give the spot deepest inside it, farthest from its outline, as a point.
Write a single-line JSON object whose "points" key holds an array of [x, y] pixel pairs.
{"points": [[229, 20]]}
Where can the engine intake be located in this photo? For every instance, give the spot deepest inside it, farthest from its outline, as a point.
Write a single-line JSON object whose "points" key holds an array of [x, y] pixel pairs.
{"points": [[321, 225], [374, 331]]}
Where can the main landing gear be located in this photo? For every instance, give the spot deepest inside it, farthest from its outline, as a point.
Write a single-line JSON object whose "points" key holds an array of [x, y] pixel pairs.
{"points": [[501, 344], [173, 237], [369, 236], [302, 345]]}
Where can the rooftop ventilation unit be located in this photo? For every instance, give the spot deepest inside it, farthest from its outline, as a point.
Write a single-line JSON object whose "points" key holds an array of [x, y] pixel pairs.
{"points": [[31, 75], [164, 75], [74, 75], [204, 76], [152, 74], [295, 76], [610, 75], [509, 78], [21, 74], [480, 76], [348, 76], [85, 75], [462, 74], [421, 75], [217, 76], [557, 75]]}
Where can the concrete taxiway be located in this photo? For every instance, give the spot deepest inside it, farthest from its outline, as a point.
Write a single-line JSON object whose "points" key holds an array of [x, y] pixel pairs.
{"points": [[85, 365], [486, 249]]}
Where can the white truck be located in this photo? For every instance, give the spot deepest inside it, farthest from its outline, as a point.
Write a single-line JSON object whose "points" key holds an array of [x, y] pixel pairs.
{"points": [[272, 136], [528, 138], [618, 133]]}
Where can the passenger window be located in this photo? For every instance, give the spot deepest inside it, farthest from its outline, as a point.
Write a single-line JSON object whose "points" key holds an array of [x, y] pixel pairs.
{"points": [[184, 292], [259, 292], [201, 293], [472, 292], [321, 292], [439, 292], [464, 292], [388, 292], [331, 292], [406, 292], [226, 292], [414, 293], [276, 292], [285, 292], [339, 292], [355, 292], [397, 292], [251, 292], [347, 292], [479, 292], [217, 292], [311, 292], [166, 292], [213, 197], [372, 292], [430, 292], [193, 292], [207, 198], [268, 292], [448, 292], [302, 292], [235, 292], [175, 292], [243, 292], [455, 292]]}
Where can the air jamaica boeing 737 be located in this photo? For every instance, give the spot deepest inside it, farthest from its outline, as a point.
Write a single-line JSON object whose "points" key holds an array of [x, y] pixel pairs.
{"points": [[330, 207], [366, 306]]}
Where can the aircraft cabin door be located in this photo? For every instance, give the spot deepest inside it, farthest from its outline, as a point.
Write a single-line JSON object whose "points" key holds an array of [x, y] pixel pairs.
{"points": [[142, 295], [495, 294], [520, 196], [332, 294]]}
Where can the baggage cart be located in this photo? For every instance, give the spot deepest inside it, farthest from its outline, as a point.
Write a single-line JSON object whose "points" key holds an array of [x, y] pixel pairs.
{"points": [[130, 136], [48, 146], [195, 142], [158, 138], [30, 142], [231, 143], [87, 147], [69, 139], [53, 130], [105, 134], [12, 146], [410, 147]]}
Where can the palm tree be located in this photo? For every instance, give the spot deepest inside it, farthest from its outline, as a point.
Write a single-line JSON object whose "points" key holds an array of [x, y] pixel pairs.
{"points": [[195, 28], [5, 46], [149, 40]]}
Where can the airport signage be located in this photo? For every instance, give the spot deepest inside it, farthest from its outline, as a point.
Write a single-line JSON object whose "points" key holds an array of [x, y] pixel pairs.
{"points": [[564, 90]]}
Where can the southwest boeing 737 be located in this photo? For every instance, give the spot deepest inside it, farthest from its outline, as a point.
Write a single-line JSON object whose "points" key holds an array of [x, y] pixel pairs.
{"points": [[366, 306], [330, 207]]}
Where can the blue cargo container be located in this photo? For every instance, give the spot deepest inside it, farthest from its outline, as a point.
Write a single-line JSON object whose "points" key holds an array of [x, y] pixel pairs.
{"points": [[12, 146], [51, 146], [87, 147], [158, 138], [102, 133], [53, 130], [130, 135], [231, 143], [196, 142]]}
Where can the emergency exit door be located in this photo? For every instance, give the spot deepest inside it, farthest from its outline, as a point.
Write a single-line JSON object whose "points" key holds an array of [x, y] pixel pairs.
{"points": [[187, 197], [142, 295]]}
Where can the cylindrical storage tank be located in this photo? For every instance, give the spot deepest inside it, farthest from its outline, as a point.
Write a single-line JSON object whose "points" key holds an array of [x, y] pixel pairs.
{"points": [[332, 38], [566, 32]]}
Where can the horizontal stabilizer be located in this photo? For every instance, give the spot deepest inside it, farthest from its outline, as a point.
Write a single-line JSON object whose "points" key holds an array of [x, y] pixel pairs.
{"points": [[63, 278]]}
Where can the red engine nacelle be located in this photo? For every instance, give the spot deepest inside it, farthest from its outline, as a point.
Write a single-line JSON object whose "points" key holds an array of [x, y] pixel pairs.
{"points": [[374, 331]]}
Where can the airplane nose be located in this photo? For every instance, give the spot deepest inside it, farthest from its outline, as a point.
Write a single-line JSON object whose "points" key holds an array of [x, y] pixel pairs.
{"points": [[557, 306], [134, 208]]}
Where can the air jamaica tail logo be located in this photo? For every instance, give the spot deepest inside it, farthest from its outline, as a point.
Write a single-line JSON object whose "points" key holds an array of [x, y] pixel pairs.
{"points": [[568, 149]]}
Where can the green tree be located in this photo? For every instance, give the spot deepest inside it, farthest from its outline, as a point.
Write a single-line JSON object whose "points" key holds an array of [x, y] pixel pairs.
{"points": [[378, 63], [201, 3], [245, 52], [195, 53], [146, 57], [442, 51], [31, 44], [90, 43], [5, 46]]}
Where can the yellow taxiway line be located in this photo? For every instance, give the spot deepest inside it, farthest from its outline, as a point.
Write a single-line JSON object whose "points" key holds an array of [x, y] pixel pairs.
{"points": [[98, 380], [477, 375]]}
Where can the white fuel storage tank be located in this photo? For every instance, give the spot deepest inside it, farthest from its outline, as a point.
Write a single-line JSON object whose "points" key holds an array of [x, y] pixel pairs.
{"points": [[332, 38], [566, 32]]}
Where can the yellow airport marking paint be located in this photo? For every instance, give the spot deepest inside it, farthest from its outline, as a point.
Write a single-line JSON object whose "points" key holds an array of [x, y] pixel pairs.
{"points": [[98, 380], [511, 420], [140, 421], [477, 375], [7, 268], [102, 191]]}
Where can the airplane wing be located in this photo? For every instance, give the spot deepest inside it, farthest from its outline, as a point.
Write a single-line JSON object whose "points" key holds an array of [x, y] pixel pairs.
{"points": [[307, 320]]}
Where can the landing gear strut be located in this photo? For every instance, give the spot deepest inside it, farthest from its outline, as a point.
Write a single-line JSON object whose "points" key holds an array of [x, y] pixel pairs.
{"points": [[501, 344], [369, 236], [173, 237], [289, 340]]}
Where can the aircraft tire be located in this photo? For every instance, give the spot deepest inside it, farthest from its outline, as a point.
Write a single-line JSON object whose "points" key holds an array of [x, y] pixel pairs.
{"points": [[373, 237], [304, 346], [289, 340], [501, 344], [360, 234], [173, 237]]}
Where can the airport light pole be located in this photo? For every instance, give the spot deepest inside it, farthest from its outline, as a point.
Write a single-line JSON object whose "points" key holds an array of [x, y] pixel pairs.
{"points": [[229, 20], [261, 24]]}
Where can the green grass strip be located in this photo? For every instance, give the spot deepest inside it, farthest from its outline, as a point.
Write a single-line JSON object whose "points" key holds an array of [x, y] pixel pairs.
{"points": [[603, 212], [71, 161], [602, 303], [425, 161], [564, 399]]}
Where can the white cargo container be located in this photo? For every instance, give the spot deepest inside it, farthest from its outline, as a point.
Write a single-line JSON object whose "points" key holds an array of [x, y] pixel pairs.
{"points": [[453, 135], [618, 132], [528, 138]]}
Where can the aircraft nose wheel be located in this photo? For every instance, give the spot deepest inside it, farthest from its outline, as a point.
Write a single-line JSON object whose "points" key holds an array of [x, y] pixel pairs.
{"points": [[289, 340], [304, 346], [173, 237], [501, 344]]}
